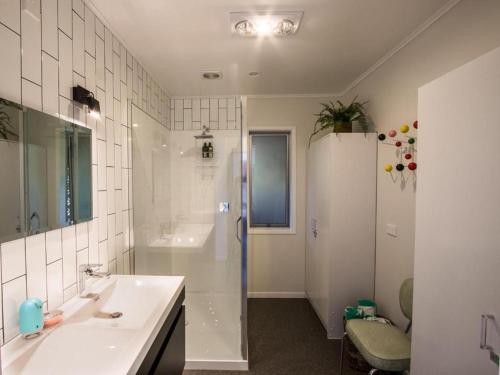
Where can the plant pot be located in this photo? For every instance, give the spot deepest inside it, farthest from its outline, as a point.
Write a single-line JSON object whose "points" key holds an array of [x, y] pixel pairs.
{"points": [[343, 127]]}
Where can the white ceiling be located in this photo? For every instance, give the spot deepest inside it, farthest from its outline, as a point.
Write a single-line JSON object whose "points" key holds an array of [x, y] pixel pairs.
{"points": [[338, 40]]}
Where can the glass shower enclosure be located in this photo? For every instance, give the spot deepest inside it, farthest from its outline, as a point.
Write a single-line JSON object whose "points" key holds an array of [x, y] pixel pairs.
{"points": [[187, 221]]}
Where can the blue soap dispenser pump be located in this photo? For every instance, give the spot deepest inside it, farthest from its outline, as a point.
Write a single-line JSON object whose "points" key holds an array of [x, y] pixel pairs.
{"points": [[31, 317]]}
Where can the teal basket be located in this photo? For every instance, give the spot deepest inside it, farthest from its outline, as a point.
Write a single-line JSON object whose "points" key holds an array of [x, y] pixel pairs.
{"points": [[368, 306], [353, 313]]}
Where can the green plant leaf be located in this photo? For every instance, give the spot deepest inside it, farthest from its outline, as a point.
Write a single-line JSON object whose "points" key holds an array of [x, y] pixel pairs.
{"points": [[336, 113]]}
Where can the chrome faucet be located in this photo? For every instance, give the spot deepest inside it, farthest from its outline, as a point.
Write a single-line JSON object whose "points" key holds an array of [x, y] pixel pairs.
{"points": [[88, 271]]}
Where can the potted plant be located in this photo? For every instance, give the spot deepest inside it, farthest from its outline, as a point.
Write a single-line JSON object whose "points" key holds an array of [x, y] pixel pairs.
{"points": [[340, 117]]}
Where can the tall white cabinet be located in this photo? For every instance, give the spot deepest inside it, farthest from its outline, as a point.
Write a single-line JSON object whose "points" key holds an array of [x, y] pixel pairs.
{"points": [[457, 249], [341, 210]]}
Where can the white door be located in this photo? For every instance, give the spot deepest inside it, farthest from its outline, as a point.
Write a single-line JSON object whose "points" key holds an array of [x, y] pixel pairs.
{"points": [[311, 227], [457, 253], [318, 221]]}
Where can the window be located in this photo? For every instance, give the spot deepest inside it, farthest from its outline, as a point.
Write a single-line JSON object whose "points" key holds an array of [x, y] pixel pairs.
{"points": [[269, 179]]}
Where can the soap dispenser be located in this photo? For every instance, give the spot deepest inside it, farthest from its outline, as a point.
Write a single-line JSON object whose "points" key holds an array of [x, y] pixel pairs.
{"points": [[210, 150], [31, 317], [204, 150]]}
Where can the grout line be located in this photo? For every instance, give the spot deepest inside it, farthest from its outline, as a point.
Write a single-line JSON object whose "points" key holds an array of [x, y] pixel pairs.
{"points": [[78, 74], [55, 261], [47, 53], [15, 278], [75, 12], [21, 51], [11, 29], [29, 80], [62, 31]]}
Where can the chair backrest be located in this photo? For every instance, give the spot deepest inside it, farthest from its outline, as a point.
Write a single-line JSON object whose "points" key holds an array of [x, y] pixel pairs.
{"points": [[406, 298]]}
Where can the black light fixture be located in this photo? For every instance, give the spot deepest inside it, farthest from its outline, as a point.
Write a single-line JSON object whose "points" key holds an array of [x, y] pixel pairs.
{"points": [[85, 97]]}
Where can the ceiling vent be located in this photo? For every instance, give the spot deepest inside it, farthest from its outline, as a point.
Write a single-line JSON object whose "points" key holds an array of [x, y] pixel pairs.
{"points": [[251, 24], [213, 74]]}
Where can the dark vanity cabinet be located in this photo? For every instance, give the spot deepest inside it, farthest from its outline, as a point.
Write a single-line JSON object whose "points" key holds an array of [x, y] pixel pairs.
{"points": [[167, 355]]}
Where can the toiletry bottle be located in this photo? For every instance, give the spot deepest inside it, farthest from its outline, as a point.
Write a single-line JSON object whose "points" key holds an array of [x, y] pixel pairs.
{"points": [[204, 150], [210, 150]]}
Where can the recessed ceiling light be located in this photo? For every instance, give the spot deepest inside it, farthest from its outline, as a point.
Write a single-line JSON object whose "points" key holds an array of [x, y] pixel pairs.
{"points": [[244, 28], [265, 23], [284, 27], [253, 74], [212, 75]]}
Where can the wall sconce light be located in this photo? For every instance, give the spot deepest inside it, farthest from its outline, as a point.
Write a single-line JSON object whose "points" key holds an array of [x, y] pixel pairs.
{"points": [[83, 96]]}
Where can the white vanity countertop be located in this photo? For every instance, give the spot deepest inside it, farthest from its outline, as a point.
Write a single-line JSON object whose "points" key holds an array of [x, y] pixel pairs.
{"points": [[86, 344]]}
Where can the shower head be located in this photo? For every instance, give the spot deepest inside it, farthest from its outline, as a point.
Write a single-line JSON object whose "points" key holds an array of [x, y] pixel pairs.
{"points": [[204, 134]]}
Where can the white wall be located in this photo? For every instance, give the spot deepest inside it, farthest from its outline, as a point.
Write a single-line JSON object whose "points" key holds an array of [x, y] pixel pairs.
{"points": [[466, 32], [276, 262], [456, 248], [66, 46]]}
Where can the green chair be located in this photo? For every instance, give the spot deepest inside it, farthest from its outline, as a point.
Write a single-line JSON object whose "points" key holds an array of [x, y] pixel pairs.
{"points": [[384, 346]]}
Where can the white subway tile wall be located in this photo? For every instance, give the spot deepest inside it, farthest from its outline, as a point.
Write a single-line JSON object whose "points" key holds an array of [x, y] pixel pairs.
{"points": [[193, 113], [63, 43]]}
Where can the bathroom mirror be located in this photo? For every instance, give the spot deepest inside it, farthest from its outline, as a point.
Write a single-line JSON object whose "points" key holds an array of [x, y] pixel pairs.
{"points": [[12, 223], [48, 161], [82, 174]]}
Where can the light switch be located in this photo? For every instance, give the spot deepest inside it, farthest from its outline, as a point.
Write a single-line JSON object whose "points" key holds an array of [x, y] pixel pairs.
{"points": [[392, 230]]}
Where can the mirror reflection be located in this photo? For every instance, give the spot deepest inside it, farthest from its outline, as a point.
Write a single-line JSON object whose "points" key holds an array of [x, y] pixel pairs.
{"points": [[46, 165], [11, 153], [48, 143]]}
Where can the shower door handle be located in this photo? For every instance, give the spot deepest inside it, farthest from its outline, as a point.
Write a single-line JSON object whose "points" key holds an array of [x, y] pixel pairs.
{"points": [[238, 229]]}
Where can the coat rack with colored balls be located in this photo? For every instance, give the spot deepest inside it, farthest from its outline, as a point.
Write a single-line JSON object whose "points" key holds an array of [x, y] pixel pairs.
{"points": [[405, 145]]}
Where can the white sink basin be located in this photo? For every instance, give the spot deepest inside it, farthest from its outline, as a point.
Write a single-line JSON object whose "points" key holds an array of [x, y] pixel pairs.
{"points": [[86, 344], [183, 238]]}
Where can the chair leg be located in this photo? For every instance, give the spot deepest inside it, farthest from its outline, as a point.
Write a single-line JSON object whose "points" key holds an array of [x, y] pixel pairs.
{"points": [[342, 353], [372, 371]]}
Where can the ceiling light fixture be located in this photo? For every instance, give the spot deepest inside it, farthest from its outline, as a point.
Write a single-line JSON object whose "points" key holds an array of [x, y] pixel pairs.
{"points": [[284, 28], [264, 27], [244, 28], [279, 24]]}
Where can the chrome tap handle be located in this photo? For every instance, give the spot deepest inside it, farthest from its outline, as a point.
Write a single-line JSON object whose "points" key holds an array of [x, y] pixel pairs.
{"points": [[87, 270]]}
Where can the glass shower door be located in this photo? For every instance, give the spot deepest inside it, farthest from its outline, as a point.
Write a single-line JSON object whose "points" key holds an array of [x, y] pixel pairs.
{"points": [[186, 211]]}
